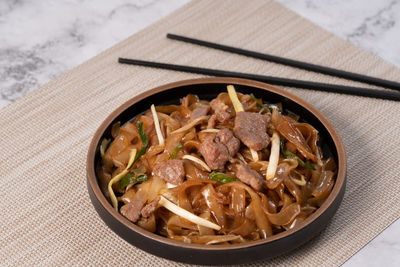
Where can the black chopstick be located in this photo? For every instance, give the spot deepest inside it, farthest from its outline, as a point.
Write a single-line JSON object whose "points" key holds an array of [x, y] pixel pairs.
{"points": [[341, 89], [291, 62]]}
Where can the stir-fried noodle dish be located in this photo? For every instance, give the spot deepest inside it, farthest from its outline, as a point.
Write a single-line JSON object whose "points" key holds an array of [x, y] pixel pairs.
{"points": [[230, 170]]}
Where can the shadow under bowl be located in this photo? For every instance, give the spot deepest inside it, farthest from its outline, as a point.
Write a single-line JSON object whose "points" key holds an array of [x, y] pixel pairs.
{"points": [[209, 88]]}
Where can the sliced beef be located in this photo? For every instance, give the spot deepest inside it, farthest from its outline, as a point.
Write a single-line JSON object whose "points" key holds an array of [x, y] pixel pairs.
{"points": [[249, 176], [215, 154], [251, 129], [132, 210], [220, 110], [198, 112], [219, 149], [171, 171], [150, 208], [227, 138]]}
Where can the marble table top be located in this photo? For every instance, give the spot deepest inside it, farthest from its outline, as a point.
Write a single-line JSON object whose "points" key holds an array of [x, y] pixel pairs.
{"points": [[42, 39]]}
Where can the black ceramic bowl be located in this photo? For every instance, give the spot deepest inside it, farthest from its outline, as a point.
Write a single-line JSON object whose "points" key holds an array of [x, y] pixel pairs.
{"points": [[209, 88]]}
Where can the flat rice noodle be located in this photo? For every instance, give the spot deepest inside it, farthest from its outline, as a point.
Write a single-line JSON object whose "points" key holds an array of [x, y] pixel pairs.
{"points": [[245, 152], [157, 184], [115, 129], [189, 100], [259, 166], [308, 209], [290, 147], [324, 185], [312, 138], [267, 207], [293, 189], [205, 230], [170, 123], [154, 150], [148, 124], [160, 158], [130, 131], [248, 103], [104, 180], [200, 104], [185, 112], [315, 176], [207, 239], [142, 192], [177, 225], [216, 208], [168, 109], [199, 204], [330, 165], [292, 134], [129, 195], [254, 236], [172, 141], [261, 219], [190, 135], [148, 224], [153, 139], [163, 127], [273, 201], [224, 98], [186, 102], [192, 172], [194, 192], [122, 159], [237, 201], [191, 146], [234, 221], [176, 115], [286, 200], [107, 163], [183, 200], [194, 182], [171, 194], [285, 216], [203, 135], [280, 190], [245, 228], [296, 222], [250, 213], [119, 144], [283, 170]]}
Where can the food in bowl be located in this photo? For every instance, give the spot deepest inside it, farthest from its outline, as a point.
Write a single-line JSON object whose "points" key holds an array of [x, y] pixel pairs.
{"points": [[230, 170]]}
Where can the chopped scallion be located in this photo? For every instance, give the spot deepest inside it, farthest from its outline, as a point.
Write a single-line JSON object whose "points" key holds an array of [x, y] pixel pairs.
{"points": [[175, 151], [257, 101], [221, 177], [290, 155], [131, 178], [145, 142]]}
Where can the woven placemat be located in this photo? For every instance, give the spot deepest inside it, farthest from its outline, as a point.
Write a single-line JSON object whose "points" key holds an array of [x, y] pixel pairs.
{"points": [[46, 215]]}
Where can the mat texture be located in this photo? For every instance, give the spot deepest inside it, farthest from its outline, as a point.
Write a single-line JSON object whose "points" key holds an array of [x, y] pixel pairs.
{"points": [[46, 215]]}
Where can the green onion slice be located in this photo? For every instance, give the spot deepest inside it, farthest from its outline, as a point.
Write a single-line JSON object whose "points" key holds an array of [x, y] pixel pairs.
{"points": [[221, 177], [257, 101], [175, 151], [290, 155], [145, 142], [131, 178]]}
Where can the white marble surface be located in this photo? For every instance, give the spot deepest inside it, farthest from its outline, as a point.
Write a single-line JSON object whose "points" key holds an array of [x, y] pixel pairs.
{"points": [[40, 40]]}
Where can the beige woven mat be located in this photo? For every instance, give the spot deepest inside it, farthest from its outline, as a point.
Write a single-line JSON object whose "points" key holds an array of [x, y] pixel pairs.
{"points": [[46, 214]]}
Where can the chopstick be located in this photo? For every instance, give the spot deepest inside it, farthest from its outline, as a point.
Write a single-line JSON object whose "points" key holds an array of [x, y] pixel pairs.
{"points": [[291, 62], [341, 89]]}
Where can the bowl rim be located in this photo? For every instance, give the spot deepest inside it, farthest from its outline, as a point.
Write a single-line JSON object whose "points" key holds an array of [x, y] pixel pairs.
{"points": [[92, 179]]}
